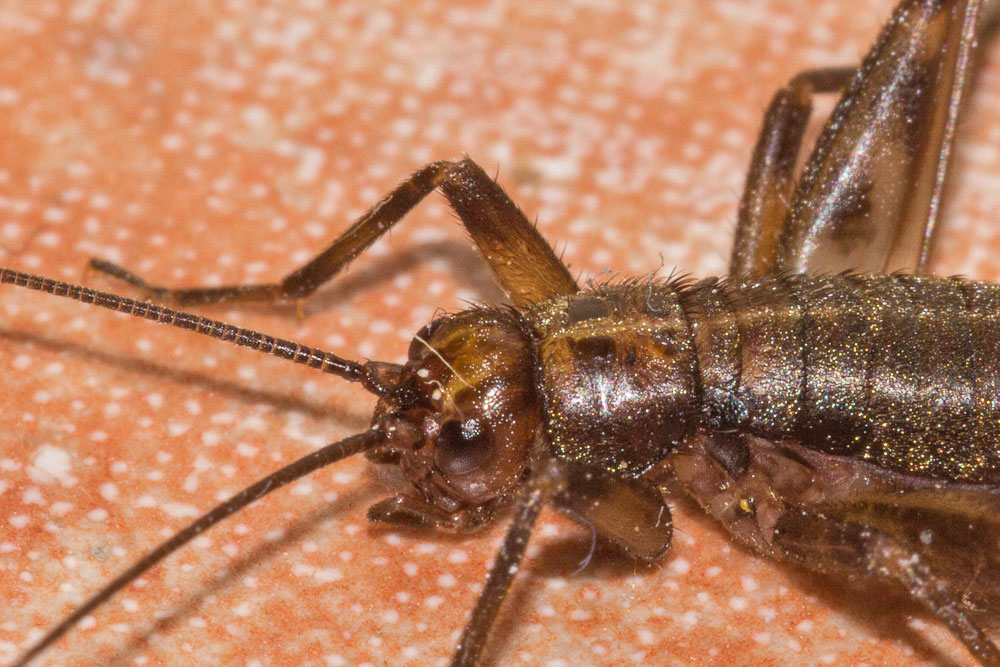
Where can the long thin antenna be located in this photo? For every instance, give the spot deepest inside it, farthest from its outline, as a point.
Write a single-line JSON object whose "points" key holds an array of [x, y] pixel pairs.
{"points": [[370, 374], [318, 459]]}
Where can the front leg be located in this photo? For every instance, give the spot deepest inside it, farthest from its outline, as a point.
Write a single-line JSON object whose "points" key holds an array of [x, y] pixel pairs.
{"points": [[522, 262]]}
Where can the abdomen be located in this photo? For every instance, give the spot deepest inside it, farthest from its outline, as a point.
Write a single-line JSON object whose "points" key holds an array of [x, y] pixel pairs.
{"points": [[901, 371]]}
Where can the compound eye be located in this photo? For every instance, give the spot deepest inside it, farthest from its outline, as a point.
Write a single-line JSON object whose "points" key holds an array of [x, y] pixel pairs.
{"points": [[462, 446]]}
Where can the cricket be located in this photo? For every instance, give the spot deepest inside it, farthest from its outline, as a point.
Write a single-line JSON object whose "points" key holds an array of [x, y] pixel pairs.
{"points": [[828, 403]]}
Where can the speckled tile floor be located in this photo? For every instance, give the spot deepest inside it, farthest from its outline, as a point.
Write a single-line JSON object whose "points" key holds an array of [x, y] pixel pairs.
{"points": [[207, 143]]}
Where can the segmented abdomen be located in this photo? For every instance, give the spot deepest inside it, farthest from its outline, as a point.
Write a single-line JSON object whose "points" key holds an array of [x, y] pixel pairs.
{"points": [[902, 371]]}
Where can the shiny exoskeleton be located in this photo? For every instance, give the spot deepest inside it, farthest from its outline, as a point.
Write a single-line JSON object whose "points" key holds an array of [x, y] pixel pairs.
{"points": [[896, 374], [828, 410], [902, 372]]}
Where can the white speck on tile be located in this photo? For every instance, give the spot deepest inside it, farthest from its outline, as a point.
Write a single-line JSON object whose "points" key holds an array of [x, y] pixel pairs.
{"points": [[175, 429], [53, 461], [328, 575], [32, 496], [222, 418], [457, 556], [60, 508], [172, 142], [54, 214], [179, 510], [429, 76], [311, 161], [244, 449], [9, 96], [145, 501], [303, 570], [680, 565]]}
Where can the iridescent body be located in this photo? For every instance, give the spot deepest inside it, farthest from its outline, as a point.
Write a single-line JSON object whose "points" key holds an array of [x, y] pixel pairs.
{"points": [[902, 372]]}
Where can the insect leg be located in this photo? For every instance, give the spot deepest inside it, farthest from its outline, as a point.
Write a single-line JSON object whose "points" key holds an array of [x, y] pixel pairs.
{"points": [[502, 573], [869, 195], [824, 543], [768, 191], [902, 564], [521, 260]]}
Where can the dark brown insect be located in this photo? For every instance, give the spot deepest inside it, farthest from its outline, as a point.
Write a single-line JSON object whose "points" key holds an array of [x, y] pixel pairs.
{"points": [[833, 422]]}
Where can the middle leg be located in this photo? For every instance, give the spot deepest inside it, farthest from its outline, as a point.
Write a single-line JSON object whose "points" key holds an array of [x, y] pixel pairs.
{"points": [[770, 183]]}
